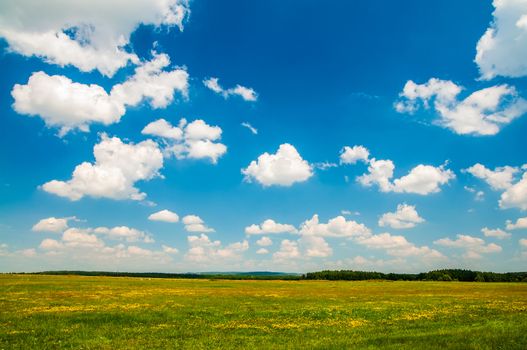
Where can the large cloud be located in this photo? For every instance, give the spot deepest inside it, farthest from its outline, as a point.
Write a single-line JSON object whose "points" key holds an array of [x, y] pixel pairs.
{"points": [[68, 105], [86, 34], [336, 227], [283, 168], [516, 195], [500, 178], [117, 167], [405, 217], [195, 140], [483, 112], [502, 50]]}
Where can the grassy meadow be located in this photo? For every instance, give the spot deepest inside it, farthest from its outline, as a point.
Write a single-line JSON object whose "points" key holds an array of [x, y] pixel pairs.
{"points": [[73, 312]]}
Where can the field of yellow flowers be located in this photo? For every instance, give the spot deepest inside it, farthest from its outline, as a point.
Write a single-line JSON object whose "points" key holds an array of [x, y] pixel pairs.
{"points": [[130, 313]]}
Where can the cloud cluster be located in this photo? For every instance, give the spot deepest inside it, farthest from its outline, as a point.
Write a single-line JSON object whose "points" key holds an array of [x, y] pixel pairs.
{"points": [[248, 94], [496, 233], [195, 140], [405, 217], [269, 226], [521, 223], [503, 47], [284, 168], [194, 223], [473, 246], [422, 179], [203, 250], [90, 35], [68, 105], [117, 167], [483, 112], [514, 193]]}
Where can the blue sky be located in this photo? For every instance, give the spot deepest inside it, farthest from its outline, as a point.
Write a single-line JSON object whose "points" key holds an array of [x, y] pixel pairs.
{"points": [[399, 124]]}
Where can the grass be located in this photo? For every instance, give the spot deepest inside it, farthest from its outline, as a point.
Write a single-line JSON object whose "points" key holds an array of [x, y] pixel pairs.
{"points": [[73, 312]]}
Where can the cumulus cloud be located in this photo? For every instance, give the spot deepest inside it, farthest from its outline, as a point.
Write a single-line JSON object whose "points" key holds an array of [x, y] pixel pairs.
{"points": [[473, 246], [264, 241], [423, 179], [52, 224], [351, 155], [288, 250], [194, 223], [262, 251], [68, 105], [203, 250], [335, 227], [269, 226], [246, 93], [500, 178], [399, 246], [496, 233], [88, 35], [483, 112], [124, 233], [164, 215], [503, 47], [195, 140], [117, 167], [169, 250], [521, 223], [405, 217], [315, 246], [283, 168], [516, 195]]}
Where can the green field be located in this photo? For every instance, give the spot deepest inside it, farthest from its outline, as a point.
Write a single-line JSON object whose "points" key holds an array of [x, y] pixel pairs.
{"points": [[127, 313]]}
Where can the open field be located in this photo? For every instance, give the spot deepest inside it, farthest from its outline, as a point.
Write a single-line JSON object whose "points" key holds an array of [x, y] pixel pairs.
{"points": [[126, 313]]}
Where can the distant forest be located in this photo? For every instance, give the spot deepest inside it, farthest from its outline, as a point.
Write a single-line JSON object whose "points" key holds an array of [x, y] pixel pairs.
{"points": [[329, 275]]}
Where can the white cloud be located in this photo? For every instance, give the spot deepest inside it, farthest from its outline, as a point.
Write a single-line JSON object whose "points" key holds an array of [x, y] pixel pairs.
{"points": [[503, 47], [473, 246], [500, 178], [516, 195], [336, 227], [324, 165], [246, 93], [164, 215], [283, 168], [398, 246], [262, 251], [88, 35], [52, 224], [497, 233], [521, 223], [169, 250], [67, 105], [116, 169], [523, 242], [250, 127], [198, 139], [288, 250], [124, 233], [76, 237], [151, 83], [194, 223], [203, 250], [423, 179], [405, 217], [50, 244], [483, 112], [163, 129], [264, 241], [350, 155], [269, 226], [315, 246]]}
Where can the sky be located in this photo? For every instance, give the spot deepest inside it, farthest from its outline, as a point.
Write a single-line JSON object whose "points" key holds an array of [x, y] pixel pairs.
{"points": [[186, 136]]}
